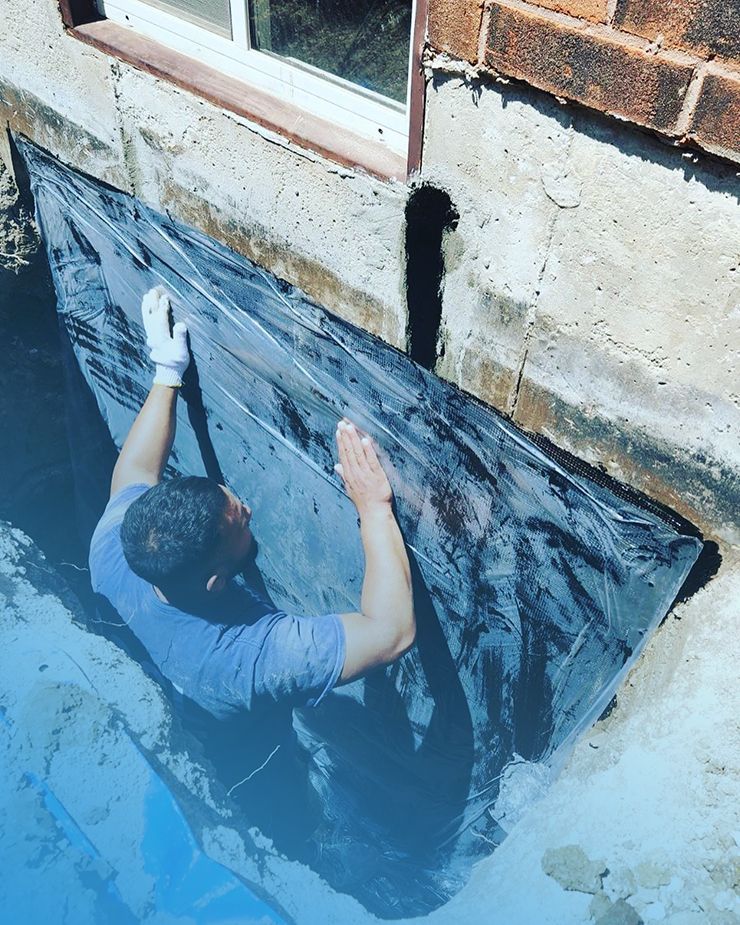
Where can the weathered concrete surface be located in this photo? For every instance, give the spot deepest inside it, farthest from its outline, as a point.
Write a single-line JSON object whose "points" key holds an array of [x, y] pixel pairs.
{"points": [[336, 234], [592, 290], [76, 716], [644, 820], [55, 92]]}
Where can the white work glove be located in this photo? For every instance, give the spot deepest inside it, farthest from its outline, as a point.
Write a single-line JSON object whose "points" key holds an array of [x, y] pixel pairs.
{"points": [[169, 352]]}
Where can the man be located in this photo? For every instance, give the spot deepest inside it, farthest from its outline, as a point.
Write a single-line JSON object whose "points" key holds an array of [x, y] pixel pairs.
{"points": [[165, 554]]}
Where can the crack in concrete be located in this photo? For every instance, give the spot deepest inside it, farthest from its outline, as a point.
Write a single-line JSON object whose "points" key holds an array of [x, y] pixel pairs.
{"points": [[127, 144], [532, 312]]}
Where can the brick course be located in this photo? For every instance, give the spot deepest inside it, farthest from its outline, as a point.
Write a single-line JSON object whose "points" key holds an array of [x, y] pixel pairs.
{"points": [[454, 27], [707, 27], [594, 10], [604, 74], [637, 66], [716, 124]]}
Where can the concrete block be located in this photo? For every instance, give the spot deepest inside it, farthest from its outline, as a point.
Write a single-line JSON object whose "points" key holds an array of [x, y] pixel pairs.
{"points": [[603, 73]]}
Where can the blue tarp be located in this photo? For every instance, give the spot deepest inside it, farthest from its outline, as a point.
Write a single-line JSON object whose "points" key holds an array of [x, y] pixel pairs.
{"points": [[189, 887], [536, 586]]}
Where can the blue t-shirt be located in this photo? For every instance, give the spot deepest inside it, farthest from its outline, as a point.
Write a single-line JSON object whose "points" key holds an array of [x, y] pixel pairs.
{"points": [[246, 657]]}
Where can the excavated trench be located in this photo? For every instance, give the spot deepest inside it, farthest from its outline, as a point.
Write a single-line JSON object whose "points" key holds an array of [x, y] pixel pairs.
{"points": [[536, 585]]}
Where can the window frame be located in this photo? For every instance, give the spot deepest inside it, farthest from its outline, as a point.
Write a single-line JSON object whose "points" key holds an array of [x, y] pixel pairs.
{"points": [[262, 97]]}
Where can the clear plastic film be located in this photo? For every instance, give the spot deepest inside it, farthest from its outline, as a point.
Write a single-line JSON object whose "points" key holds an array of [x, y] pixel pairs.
{"points": [[535, 586]]}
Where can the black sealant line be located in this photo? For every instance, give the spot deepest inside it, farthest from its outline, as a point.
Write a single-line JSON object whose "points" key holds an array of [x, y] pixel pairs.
{"points": [[429, 214]]}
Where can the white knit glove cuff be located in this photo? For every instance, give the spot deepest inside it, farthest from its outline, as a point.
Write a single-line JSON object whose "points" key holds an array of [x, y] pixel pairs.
{"points": [[165, 375]]}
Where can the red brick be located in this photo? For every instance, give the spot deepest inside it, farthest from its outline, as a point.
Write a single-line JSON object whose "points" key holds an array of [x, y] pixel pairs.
{"points": [[594, 10], [600, 72], [707, 27], [716, 122], [454, 27]]}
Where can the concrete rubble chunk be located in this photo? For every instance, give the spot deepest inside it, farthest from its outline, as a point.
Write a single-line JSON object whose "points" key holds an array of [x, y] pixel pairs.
{"points": [[652, 875], [620, 883], [599, 906], [654, 912], [621, 913], [573, 869], [687, 917], [727, 874]]}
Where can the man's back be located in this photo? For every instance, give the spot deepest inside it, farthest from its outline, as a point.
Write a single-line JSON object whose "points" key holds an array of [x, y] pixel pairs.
{"points": [[238, 654]]}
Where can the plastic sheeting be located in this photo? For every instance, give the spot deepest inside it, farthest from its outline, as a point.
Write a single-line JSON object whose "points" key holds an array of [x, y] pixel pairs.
{"points": [[535, 587]]}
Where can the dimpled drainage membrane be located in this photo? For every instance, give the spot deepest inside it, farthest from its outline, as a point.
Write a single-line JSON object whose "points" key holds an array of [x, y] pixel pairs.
{"points": [[535, 588]]}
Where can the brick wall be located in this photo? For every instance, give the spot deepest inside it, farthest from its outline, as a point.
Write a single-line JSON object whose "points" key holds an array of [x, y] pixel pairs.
{"points": [[669, 65]]}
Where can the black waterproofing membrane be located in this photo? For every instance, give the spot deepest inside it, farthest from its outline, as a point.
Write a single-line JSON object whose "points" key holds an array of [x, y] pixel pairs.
{"points": [[535, 587]]}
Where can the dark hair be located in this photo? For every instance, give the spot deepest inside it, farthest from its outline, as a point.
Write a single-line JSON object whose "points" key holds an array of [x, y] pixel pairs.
{"points": [[170, 533]]}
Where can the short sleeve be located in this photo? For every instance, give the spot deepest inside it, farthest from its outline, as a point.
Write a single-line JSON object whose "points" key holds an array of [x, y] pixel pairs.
{"points": [[105, 546], [300, 659]]}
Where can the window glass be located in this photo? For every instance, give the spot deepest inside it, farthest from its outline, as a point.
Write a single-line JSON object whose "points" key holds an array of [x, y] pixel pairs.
{"points": [[214, 15], [364, 41]]}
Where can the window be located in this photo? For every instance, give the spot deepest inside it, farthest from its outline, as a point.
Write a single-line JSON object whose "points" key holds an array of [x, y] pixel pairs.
{"points": [[345, 61]]}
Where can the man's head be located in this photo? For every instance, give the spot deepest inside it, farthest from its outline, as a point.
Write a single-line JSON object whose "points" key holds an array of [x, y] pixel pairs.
{"points": [[187, 535]]}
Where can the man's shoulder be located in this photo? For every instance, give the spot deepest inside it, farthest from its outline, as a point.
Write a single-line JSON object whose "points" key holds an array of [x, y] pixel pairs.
{"points": [[106, 551]]}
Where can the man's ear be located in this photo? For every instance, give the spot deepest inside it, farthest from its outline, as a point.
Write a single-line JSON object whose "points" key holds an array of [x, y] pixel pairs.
{"points": [[216, 583]]}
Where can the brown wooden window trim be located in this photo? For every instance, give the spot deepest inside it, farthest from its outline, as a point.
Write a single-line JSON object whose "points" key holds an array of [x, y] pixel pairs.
{"points": [[83, 21]]}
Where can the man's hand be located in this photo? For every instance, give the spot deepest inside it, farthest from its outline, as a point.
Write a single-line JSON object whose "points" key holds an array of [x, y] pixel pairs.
{"points": [[147, 448], [366, 483], [169, 351], [385, 627]]}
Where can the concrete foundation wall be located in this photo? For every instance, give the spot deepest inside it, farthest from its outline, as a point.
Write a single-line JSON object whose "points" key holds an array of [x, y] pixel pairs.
{"points": [[590, 287]]}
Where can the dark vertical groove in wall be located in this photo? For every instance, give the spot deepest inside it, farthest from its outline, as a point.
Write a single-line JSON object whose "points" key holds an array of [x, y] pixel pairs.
{"points": [[77, 12], [429, 213]]}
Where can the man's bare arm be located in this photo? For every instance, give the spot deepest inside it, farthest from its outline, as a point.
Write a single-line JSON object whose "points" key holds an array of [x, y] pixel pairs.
{"points": [[144, 455], [386, 627], [147, 447]]}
